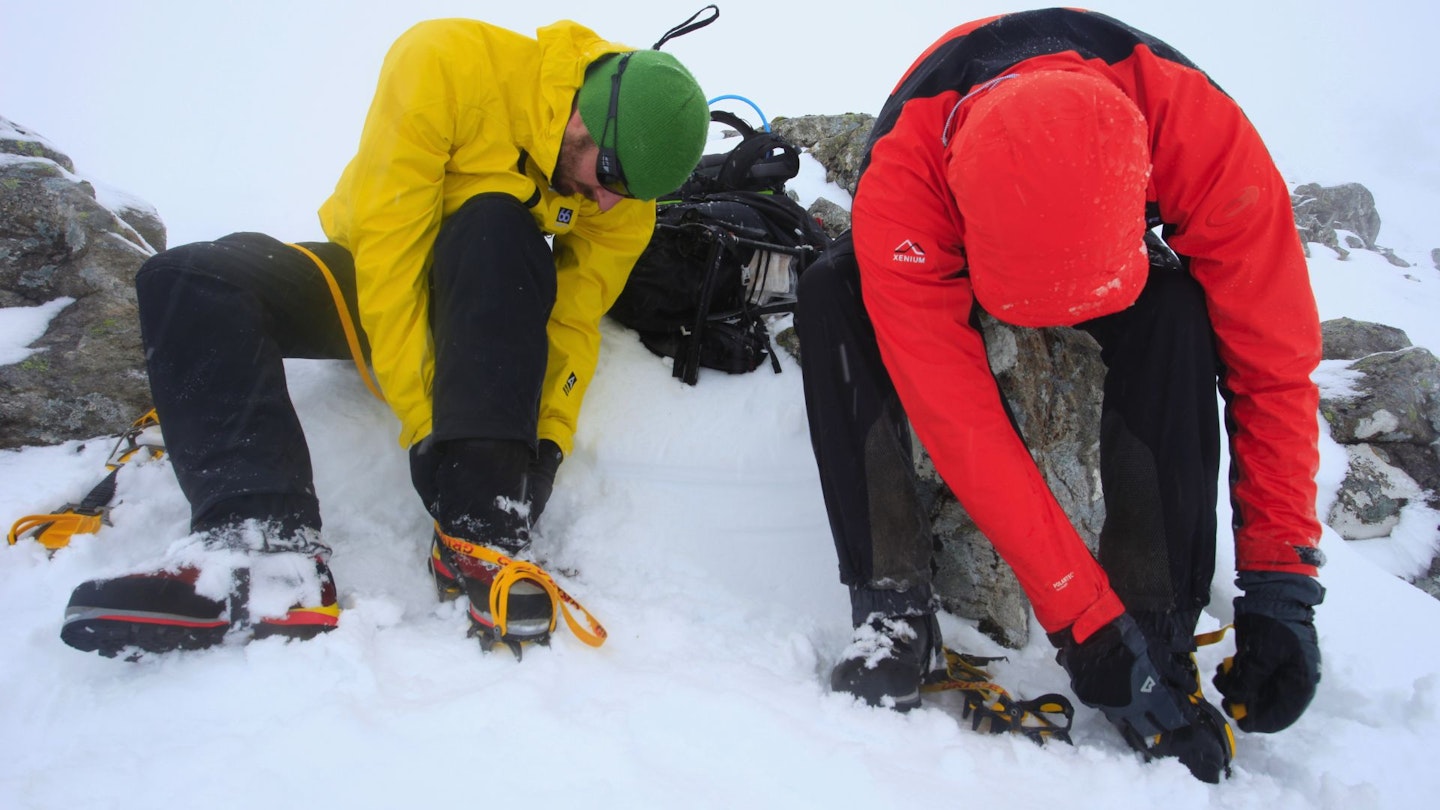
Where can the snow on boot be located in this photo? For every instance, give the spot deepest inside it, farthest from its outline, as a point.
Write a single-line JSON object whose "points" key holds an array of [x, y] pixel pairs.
{"points": [[1114, 670], [520, 611], [888, 660], [228, 584]]}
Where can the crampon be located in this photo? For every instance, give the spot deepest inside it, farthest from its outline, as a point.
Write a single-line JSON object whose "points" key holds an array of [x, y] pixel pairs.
{"points": [[992, 710], [140, 442]]}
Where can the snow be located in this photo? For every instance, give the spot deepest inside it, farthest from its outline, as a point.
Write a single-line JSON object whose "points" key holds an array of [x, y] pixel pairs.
{"points": [[688, 520], [21, 326]]}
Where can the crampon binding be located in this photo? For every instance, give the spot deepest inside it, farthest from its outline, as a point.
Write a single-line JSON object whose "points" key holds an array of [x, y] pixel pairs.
{"points": [[992, 710], [497, 625]]}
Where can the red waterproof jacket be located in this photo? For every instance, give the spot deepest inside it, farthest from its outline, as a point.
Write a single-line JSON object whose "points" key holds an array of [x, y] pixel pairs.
{"points": [[1224, 207]]}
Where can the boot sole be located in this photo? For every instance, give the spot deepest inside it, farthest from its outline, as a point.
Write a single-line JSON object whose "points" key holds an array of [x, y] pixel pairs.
{"points": [[110, 633]]}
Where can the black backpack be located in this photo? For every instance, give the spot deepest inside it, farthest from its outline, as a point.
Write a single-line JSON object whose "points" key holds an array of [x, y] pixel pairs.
{"points": [[727, 251]]}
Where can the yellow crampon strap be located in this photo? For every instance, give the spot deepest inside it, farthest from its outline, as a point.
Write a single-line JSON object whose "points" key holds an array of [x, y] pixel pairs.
{"points": [[1235, 710], [53, 531], [512, 571], [990, 708], [1212, 637]]}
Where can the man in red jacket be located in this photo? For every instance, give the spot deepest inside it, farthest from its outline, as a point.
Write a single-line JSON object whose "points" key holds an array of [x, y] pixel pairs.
{"points": [[1017, 169]]}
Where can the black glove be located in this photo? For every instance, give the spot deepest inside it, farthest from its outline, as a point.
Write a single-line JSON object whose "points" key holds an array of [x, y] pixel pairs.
{"points": [[1113, 671], [1272, 678], [540, 480]]}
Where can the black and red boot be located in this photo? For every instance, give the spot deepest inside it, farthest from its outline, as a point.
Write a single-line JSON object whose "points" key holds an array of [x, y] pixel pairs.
{"points": [[231, 584], [518, 610]]}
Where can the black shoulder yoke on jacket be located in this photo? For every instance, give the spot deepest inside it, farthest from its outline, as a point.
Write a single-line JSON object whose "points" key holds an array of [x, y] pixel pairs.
{"points": [[993, 49]]}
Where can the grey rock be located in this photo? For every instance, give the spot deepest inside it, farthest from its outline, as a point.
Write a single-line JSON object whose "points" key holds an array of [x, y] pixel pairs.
{"points": [[834, 219], [1419, 461], [1389, 426], [18, 140], [836, 141], [1346, 339], [1396, 401], [1320, 211], [146, 222], [86, 377], [1324, 213], [1392, 258], [1372, 496]]}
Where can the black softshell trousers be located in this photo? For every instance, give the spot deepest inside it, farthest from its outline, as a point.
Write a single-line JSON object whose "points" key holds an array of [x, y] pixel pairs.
{"points": [[218, 319], [1159, 449]]}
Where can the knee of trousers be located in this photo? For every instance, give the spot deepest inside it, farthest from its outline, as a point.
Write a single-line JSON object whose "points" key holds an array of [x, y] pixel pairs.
{"points": [[492, 229], [167, 276], [494, 211]]}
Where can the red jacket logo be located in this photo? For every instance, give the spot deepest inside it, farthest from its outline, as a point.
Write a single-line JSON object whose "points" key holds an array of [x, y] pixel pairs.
{"points": [[909, 251]]}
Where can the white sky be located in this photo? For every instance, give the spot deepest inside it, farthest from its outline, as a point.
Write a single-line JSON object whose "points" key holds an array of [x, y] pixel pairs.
{"points": [[235, 116]]}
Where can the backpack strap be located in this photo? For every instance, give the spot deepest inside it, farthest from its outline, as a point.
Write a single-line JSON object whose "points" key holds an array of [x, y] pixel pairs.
{"points": [[760, 160]]}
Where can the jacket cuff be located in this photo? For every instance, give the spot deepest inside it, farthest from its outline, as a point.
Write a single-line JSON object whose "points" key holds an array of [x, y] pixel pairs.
{"points": [[1105, 610]]}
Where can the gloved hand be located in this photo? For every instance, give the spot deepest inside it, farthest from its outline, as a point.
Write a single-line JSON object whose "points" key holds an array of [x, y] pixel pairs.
{"points": [[1272, 678], [540, 480], [1114, 671]]}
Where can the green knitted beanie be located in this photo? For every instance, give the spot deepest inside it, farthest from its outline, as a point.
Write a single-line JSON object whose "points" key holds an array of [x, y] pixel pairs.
{"points": [[661, 119]]}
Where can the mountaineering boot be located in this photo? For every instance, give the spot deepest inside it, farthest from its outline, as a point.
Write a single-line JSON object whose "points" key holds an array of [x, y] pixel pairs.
{"points": [[529, 609], [1115, 671], [230, 583], [889, 658], [482, 524]]}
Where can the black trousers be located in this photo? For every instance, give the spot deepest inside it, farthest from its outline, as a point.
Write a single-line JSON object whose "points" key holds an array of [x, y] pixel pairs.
{"points": [[218, 318], [1159, 449]]}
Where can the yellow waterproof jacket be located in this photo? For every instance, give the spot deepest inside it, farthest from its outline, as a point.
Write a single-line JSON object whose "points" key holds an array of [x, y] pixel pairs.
{"points": [[465, 108]]}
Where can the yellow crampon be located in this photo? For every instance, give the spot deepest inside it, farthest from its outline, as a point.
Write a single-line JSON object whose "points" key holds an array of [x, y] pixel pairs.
{"points": [[1236, 711], [54, 530], [993, 710], [512, 571]]}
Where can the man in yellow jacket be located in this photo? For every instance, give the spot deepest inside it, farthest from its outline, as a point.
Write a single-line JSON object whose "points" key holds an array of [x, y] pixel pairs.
{"points": [[437, 276]]}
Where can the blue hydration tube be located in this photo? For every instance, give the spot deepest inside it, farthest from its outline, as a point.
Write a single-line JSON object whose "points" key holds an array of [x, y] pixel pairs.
{"points": [[765, 122]]}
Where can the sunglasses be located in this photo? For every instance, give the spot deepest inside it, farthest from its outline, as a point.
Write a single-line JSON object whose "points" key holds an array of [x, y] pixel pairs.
{"points": [[607, 165]]}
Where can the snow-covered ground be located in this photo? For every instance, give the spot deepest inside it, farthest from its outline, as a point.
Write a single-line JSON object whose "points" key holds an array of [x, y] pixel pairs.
{"points": [[691, 523]]}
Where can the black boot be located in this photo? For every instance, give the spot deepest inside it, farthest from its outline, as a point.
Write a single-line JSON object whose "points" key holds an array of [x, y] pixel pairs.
{"points": [[888, 659], [481, 504]]}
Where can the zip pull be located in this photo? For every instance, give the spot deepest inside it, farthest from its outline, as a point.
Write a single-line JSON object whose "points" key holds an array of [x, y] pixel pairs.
{"points": [[689, 25]]}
